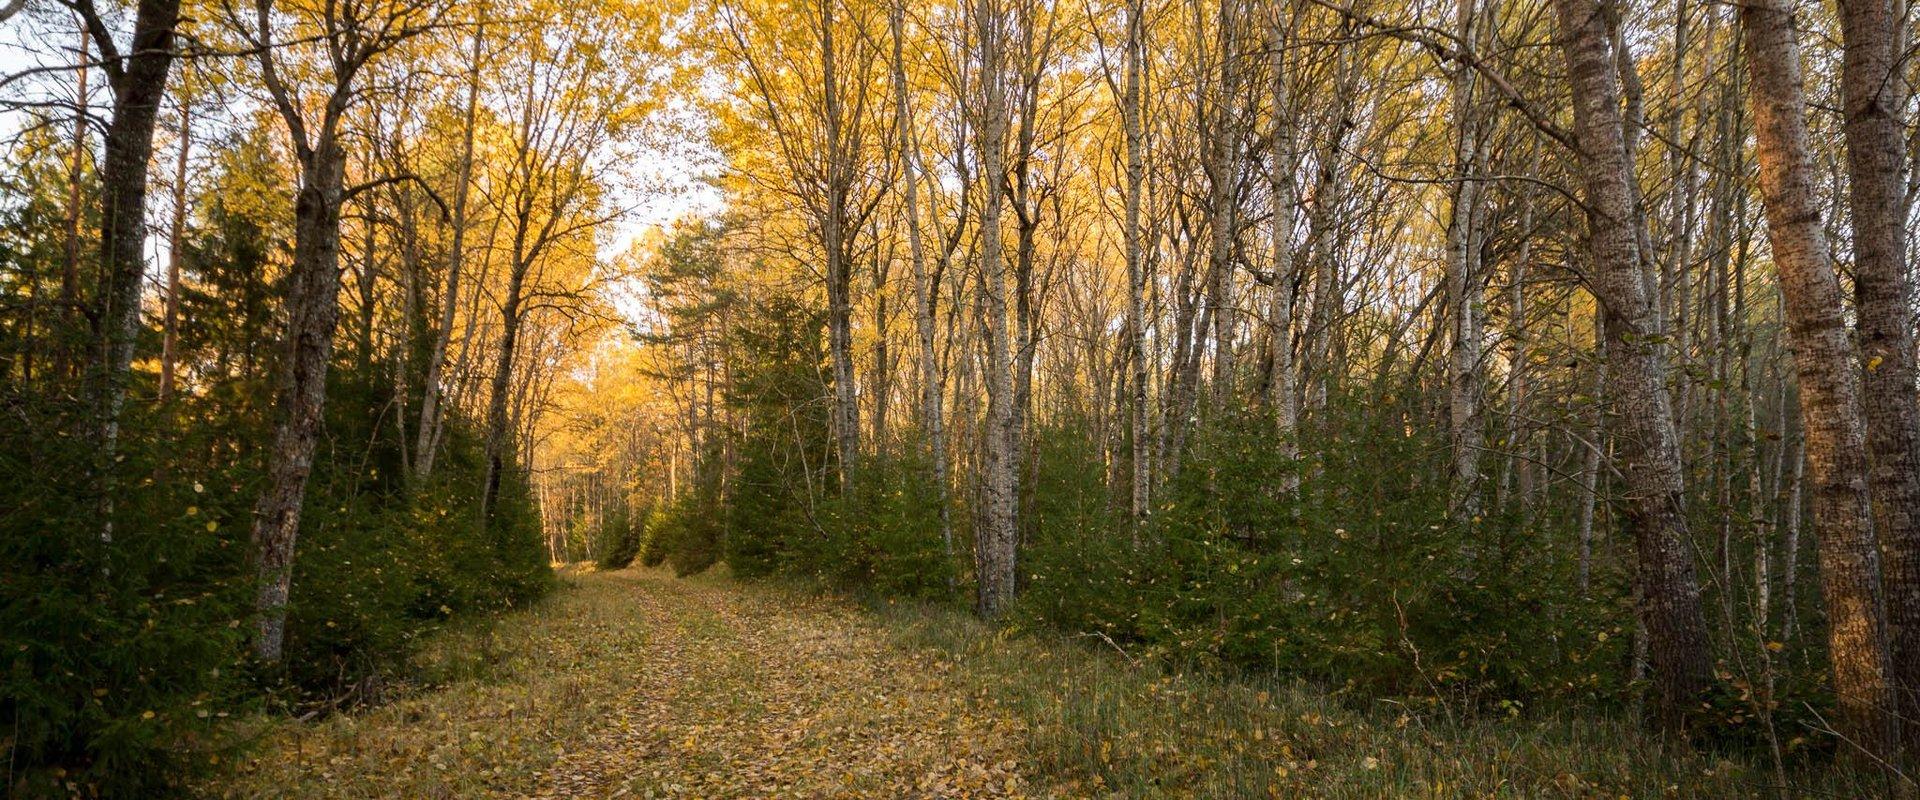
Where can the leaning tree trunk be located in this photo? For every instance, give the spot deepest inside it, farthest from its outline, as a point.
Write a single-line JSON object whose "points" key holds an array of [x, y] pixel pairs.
{"points": [[313, 313], [1829, 386], [1873, 87], [498, 420], [139, 81], [432, 398], [1643, 426]]}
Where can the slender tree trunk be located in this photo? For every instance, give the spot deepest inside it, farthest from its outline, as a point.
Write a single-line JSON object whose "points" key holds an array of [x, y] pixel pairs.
{"points": [[70, 302], [1590, 458], [368, 280], [1790, 512], [1673, 281], [1829, 385], [176, 240], [1284, 389], [1644, 431], [498, 422], [1464, 389], [1133, 111], [1519, 466], [882, 381], [1874, 87], [1183, 383], [926, 282], [1322, 235], [834, 235], [1223, 172], [431, 412]]}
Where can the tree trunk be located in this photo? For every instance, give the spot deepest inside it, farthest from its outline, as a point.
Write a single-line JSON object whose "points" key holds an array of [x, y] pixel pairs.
{"points": [[498, 423], [926, 283], [313, 314], [1283, 390], [431, 413], [1133, 114], [1637, 367], [1590, 459], [1829, 385], [70, 302], [139, 82], [1223, 173], [176, 239], [1874, 89], [1464, 388], [994, 550], [834, 236]]}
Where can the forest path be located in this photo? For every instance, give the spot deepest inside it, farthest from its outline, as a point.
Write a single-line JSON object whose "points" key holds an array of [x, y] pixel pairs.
{"points": [[744, 694], [637, 684]]}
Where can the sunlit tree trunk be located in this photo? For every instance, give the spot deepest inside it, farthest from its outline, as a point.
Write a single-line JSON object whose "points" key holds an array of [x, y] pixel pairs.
{"points": [[1829, 385], [1874, 89], [176, 242]]}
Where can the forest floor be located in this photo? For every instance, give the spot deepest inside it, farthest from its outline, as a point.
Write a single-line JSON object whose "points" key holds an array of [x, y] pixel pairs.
{"points": [[638, 684]]}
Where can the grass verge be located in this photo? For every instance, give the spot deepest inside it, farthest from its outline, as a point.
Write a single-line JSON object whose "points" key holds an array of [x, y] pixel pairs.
{"points": [[500, 698], [1115, 727]]}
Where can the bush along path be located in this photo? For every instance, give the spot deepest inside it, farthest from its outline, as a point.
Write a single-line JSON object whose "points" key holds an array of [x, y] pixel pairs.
{"points": [[638, 684]]}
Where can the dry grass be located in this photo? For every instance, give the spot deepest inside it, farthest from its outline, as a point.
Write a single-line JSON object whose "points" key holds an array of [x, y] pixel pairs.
{"points": [[1118, 728], [514, 695]]}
